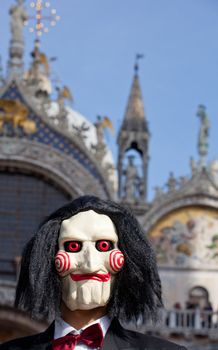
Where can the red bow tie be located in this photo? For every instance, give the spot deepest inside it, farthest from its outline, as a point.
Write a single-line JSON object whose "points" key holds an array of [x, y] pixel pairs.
{"points": [[91, 336]]}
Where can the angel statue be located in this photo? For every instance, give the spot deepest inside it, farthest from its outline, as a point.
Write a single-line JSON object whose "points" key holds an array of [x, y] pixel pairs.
{"points": [[18, 17]]}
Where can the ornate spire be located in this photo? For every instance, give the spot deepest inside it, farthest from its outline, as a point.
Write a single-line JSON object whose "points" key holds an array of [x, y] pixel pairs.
{"points": [[133, 136], [16, 50], [134, 118]]}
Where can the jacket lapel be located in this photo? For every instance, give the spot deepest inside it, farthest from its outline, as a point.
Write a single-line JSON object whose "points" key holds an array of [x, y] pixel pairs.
{"points": [[116, 337]]}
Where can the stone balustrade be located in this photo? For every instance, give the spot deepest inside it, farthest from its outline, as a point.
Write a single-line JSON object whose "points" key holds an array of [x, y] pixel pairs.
{"points": [[185, 322]]}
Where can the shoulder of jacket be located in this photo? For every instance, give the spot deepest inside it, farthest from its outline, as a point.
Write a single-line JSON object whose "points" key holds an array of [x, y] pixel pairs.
{"points": [[159, 343], [19, 343]]}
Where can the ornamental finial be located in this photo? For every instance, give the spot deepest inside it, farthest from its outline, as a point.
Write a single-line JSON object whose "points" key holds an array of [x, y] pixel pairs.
{"points": [[137, 58]]}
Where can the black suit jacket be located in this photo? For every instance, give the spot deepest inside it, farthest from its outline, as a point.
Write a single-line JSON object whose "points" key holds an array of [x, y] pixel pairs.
{"points": [[117, 338]]}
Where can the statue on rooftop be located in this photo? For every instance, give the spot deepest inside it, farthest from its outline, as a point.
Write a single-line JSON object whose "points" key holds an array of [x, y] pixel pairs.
{"points": [[171, 183], [81, 131], [18, 17], [133, 188], [99, 130], [203, 132], [99, 148]]}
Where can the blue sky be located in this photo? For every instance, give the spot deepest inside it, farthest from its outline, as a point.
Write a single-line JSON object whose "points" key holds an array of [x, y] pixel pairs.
{"points": [[96, 42]]}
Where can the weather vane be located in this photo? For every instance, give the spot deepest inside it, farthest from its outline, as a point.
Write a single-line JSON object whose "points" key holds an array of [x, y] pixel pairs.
{"points": [[43, 13], [137, 58]]}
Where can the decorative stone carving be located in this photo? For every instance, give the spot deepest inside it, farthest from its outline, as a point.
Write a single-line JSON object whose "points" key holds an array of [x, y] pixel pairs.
{"points": [[171, 183], [159, 193], [81, 131], [36, 78], [182, 181]]}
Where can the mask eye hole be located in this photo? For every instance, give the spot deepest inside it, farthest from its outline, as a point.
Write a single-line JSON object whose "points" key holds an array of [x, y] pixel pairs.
{"points": [[72, 246], [104, 245]]}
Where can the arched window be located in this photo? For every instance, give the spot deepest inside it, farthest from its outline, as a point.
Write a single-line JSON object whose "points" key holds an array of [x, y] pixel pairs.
{"points": [[199, 296]]}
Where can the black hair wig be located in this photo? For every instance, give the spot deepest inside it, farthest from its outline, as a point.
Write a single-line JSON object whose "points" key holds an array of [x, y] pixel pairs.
{"points": [[137, 289]]}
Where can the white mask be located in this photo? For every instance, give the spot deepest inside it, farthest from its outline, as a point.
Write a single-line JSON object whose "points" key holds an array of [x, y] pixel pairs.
{"points": [[88, 260]]}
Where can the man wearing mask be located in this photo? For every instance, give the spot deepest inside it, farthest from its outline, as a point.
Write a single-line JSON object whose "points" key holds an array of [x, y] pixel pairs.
{"points": [[87, 268]]}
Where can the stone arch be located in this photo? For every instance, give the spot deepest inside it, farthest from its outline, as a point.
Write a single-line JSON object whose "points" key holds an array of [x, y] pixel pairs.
{"points": [[162, 208], [62, 168]]}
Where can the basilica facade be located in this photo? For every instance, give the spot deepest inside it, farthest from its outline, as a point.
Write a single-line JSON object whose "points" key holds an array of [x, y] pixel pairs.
{"points": [[50, 154]]}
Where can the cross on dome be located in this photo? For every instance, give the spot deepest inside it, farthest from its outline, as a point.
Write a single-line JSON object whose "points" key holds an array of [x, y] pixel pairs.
{"points": [[43, 14]]}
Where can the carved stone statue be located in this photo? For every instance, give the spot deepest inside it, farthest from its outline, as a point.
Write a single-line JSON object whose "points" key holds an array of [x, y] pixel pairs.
{"points": [[99, 130], [18, 17], [171, 183], [204, 131], [132, 186], [193, 166], [99, 148], [81, 131], [158, 192]]}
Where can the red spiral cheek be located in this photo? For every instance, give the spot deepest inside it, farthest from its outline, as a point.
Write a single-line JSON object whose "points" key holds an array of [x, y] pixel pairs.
{"points": [[116, 260], [62, 262]]}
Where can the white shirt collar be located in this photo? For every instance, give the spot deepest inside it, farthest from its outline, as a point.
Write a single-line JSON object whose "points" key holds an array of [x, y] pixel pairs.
{"points": [[62, 328]]}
